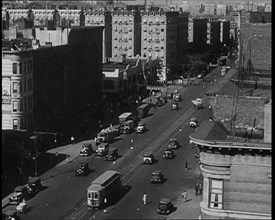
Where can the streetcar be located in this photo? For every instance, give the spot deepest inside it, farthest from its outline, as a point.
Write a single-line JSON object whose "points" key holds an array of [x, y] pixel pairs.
{"points": [[104, 190]]}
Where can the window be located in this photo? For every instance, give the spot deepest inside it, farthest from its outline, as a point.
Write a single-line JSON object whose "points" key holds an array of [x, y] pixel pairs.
{"points": [[15, 87], [216, 193], [162, 29], [29, 84], [15, 124], [15, 106], [14, 68]]}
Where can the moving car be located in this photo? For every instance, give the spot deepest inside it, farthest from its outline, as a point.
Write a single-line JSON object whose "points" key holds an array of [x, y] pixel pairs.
{"points": [[193, 122], [165, 206], [87, 149], [141, 128], [175, 106], [102, 149], [177, 97], [112, 154], [173, 143], [157, 177], [148, 158], [83, 170], [168, 154]]}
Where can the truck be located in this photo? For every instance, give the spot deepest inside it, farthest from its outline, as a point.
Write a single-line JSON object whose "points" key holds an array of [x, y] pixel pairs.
{"points": [[128, 127], [143, 110], [126, 116], [106, 135]]}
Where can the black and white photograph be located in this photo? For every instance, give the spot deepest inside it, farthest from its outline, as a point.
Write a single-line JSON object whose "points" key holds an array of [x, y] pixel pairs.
{"points": [[136, 109]]}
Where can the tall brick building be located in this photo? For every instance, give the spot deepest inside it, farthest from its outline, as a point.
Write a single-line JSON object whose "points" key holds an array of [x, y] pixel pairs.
{"points": [[126, 28]]}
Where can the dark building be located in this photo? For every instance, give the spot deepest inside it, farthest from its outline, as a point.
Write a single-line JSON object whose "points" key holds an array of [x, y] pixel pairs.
{"points": [[49, 86], [199, 34], [85, 70], [182, 35]]}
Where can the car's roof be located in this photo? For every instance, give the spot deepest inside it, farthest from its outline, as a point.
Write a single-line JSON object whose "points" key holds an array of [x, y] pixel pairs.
{"points": [[156, 171], [165, 200], [173, 139]]}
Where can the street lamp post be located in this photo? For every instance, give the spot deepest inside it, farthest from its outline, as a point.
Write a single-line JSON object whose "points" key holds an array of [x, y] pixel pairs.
{"points": [[34, 138]]}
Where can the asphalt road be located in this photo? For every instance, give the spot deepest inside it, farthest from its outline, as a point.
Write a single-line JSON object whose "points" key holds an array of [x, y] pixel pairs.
{"points": [[64, 196]]}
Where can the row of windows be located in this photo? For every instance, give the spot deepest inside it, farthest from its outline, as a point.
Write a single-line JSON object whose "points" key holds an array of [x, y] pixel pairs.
{"points": [[157, 30], [153, 38], [22, 105], [123, 46], [122, 29], [125, 38], [22, 68], [155, 47], [18, 88]]}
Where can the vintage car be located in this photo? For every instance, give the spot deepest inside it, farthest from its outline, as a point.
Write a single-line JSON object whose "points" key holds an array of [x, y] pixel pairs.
{"points": [[87, 149], [10, 214], [157, 177], [20, 193], [168, 154], [165, 206], [83, 170], [102, 149], [175, 106], [170, 95], [112, 154], [177, 97], [141, 128], [193, 122], [148, 158], [173, 143], [34, 184]]}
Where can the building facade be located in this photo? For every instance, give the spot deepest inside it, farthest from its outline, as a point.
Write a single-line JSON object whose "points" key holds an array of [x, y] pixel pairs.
{"points": [[214, 33], [126, 36], [236, 174], [160, 38], [17, 89], [199, 30]]}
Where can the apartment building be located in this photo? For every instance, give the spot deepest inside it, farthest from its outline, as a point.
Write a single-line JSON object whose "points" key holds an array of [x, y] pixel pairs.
{"points": [[159, 37], [17, 88], [102, 18], [126, 33], [197, 33], [214, 33]]}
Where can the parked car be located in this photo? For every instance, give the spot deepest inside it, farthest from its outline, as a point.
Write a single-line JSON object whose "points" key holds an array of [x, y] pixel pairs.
{"points": [[141, 128], [157, 177], [148, 158], [165, 206], [173, 143], [35, 184], [112, 154], [20, 193], [168, 154], [83, 170], [193, 122]]}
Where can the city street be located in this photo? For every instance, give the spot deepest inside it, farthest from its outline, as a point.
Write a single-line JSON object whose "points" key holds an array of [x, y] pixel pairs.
{"points": [[64, 196]]}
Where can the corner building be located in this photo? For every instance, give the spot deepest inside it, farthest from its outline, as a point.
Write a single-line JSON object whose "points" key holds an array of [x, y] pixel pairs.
{"points": [[236, 174]]}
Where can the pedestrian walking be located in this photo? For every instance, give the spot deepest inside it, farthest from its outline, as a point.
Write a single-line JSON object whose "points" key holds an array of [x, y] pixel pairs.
{"points": [[72, 139], [200, 189], [184, 196], [144, 198], [186, 166], [197, 189]]}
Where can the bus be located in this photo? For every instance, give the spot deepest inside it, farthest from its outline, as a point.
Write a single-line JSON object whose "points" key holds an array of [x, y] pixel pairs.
{"points": [[143, 110], [104, 189]]}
